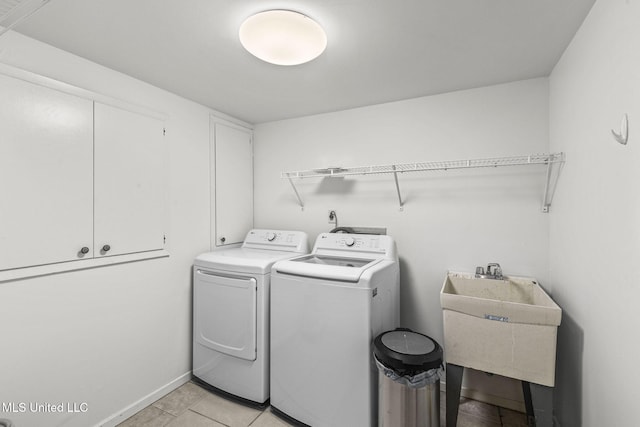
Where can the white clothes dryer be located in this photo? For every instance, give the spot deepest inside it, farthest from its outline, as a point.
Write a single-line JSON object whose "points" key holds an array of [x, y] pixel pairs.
{"points": [[326, 309], [231, 312]]}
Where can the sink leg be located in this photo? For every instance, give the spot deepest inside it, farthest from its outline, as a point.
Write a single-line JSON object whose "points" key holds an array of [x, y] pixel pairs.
{"points": [[454, 385], [528, 403], [542, 398], [538, 401]]}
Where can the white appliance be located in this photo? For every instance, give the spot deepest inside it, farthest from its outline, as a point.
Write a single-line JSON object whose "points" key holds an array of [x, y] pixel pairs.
{"points": [[326, 309], [231, 312]]}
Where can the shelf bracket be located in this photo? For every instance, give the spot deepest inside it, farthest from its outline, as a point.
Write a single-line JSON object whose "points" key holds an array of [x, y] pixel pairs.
{"points": [[551, 179], [546, 201], [395, 177], [295, 190], [623, 136]]}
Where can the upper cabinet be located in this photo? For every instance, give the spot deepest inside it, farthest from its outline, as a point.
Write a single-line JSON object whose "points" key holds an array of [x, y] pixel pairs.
{"points": [[231, 182], [130, 182], [46, 175], [79, 179]]}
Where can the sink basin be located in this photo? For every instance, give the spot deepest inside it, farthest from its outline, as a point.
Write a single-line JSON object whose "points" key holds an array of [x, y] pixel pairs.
{"points": [[506, 327], [515, 299]]}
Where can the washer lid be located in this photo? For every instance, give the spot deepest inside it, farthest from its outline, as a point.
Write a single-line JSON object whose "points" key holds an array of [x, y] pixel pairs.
{"points": [[405, 350], [342, 269]]}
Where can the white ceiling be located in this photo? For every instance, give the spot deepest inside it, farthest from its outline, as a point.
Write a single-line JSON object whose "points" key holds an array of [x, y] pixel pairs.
{"points": [[378, 50]]}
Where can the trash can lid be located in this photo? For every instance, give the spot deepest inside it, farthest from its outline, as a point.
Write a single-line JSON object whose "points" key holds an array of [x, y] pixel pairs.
{"points": [[405, 350]]}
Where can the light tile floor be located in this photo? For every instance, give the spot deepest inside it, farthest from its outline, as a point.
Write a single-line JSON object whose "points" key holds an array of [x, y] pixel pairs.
{"points": [[192, 406]]}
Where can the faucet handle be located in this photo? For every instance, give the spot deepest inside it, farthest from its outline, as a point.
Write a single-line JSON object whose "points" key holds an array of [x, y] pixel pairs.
{"points": [[479, 271], [497, 271]]}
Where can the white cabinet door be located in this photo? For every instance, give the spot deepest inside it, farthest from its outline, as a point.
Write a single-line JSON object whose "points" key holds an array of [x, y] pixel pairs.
{"points": [[233, 183], [46, 176], [130, 182]]}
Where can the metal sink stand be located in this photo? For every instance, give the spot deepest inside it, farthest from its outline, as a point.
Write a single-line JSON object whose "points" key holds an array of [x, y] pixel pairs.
{"points": [[538, 399]]}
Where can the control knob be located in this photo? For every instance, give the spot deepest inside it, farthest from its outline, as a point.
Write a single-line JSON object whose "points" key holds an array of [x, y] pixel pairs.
{"points": [[271, 236], [349, 241]]}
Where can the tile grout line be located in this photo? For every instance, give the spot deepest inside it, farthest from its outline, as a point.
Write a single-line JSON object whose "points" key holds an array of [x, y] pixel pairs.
{"points": [[162, 410], [254, 420], [205, 416], [217, 421], [188, 408]]}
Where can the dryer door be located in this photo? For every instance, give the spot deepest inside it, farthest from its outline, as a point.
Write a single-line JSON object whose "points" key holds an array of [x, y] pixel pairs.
{"points": [[225, 313]]}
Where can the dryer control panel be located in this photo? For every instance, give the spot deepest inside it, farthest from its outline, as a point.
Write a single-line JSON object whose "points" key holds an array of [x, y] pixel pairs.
{"points": [[282, 240]]}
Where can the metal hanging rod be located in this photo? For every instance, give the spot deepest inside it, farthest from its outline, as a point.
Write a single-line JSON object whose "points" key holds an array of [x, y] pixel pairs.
{"points": [[534, 159]]}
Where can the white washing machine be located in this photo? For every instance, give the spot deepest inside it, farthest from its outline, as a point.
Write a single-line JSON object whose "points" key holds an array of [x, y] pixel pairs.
{"points": [[326, 310], [231, 312]]}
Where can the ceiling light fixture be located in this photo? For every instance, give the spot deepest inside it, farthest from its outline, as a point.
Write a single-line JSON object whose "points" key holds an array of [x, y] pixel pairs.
{"points": [[283, 37]]}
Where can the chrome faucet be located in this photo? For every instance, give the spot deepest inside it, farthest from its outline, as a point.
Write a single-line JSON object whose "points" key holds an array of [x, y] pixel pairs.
{"points": [[494, 271]]}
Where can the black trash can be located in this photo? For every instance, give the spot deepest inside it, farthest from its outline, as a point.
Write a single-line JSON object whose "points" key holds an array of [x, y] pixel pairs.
{"points": [[409, 370]]}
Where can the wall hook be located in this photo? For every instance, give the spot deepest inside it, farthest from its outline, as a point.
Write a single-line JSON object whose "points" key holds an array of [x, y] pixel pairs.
{"points": [[623, 136]]}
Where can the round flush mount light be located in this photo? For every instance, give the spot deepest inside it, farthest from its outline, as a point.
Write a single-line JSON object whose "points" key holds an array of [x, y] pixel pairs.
{"points": [[283, 37]]}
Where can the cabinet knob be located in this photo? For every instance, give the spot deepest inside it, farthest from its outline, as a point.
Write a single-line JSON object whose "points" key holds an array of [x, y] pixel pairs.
{"points": [[106, 248], [84, 250], [223, 239]]}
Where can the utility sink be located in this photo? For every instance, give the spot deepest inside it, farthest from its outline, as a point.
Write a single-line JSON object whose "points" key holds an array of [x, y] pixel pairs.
{"points": [[514, 299], [506, 327]]}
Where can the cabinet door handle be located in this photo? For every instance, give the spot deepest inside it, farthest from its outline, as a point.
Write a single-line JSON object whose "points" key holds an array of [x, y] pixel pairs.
{"points": [[106, 248], [223, 239], [84, 250]]}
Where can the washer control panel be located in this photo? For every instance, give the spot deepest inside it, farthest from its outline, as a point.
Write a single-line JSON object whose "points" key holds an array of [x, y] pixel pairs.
{"points": [[356, 242]]}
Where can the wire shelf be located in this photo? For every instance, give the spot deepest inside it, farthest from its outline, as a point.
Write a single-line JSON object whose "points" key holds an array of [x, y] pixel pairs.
{"points": [[494, 162], [534, 159]]}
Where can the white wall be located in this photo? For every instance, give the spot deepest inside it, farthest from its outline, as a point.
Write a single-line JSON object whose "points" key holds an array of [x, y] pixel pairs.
{"points": [[452, 220], [595, 223], [108, 336]]}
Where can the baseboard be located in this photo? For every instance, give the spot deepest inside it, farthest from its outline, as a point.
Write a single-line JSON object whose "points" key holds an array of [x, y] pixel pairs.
{"points": [[144, 402], [491, 399]]}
